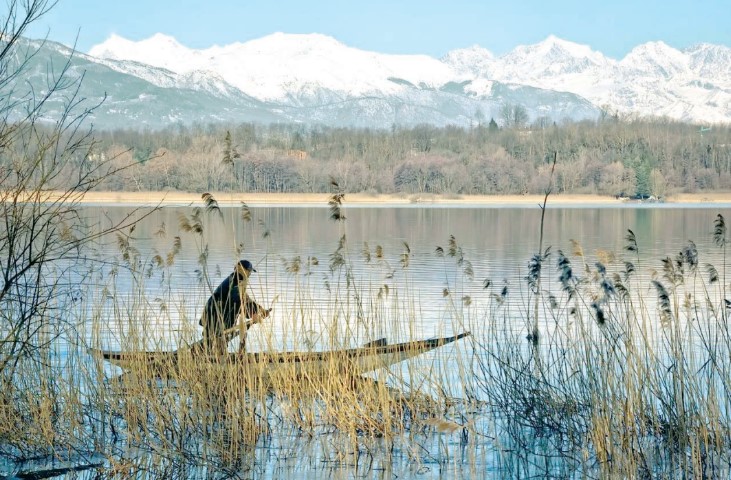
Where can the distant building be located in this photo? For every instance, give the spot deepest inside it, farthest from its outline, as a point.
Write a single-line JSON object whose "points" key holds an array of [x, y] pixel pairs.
{"points": [[298, 154]]}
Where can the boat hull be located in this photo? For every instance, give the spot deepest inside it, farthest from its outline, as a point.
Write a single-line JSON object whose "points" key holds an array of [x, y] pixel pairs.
{"points": [[285, 365]]}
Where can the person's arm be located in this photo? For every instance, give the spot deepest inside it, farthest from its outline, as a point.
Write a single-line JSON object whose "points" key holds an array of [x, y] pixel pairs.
{"points": [[254, 311]]}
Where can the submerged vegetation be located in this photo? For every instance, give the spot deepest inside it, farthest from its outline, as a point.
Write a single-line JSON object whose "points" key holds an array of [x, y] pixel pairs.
{"points": [[600, 372]]}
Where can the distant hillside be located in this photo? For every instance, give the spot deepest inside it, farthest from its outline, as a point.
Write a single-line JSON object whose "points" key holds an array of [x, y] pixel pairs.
{"points": [[314, 79]]}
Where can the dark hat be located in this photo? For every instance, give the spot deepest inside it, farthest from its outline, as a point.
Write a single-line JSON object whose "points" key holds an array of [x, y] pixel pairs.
{"points": [[247, 265]]}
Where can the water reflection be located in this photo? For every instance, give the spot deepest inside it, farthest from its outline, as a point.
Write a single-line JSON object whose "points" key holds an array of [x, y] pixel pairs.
{"points": [[497, 243]]}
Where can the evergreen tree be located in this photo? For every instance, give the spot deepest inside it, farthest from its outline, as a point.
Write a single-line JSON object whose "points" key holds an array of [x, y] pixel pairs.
{"points": [[642, 181]]}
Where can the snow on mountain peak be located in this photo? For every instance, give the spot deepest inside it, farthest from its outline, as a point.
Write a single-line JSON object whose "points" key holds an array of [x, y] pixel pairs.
{"points": [[551, 57], [280, 65], [554, 44], [656, 58], [653, 79], [475, 60], [554, 48], [475, 51], [709, 60], [297, 42], [109, 47], [159, 50]]}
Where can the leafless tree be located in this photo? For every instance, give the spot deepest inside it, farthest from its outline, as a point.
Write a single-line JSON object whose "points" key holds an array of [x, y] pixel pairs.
{"points": [[47, 165], [513, 116]]}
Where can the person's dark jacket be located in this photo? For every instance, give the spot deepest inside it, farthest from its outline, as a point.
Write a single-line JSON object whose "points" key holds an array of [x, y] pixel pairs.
{"points": [[224, 305]]}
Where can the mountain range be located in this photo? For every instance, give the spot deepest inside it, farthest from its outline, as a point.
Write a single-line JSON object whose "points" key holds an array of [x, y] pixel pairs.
{"points": [[314, 79]]}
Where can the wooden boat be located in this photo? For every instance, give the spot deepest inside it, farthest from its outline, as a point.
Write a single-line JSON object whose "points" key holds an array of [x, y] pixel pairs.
{"points": [[269, 366]]}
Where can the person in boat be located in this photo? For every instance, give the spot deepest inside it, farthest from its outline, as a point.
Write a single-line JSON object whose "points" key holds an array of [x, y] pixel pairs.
{"points": [[229, 301]]}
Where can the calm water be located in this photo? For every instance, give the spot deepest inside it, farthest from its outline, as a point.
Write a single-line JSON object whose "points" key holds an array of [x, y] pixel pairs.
{"points": [[496, 243]]}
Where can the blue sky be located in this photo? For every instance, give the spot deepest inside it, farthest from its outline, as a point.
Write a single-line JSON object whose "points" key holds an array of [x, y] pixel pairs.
{"points": [[407, 26]]}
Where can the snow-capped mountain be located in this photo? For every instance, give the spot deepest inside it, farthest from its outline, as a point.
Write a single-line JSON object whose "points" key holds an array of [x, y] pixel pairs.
{"points": [[316, 79], [474, 61], [654, 79], [551, 58], [282, 66], [655, 60], [134, 95], [710, 61]]}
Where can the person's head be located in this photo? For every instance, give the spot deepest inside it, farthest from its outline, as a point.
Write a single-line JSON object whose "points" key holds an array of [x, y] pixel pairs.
{"points": [[244, 267]]}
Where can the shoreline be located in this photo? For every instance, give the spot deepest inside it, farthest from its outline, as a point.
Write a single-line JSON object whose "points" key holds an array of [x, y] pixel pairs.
{"points": [[363, 199]]}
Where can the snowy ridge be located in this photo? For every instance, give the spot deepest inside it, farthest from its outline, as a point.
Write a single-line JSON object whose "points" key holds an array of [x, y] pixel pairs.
{"points": [[710, 61], [473, 61], [550, 58], [280, 66], [654, 79]]}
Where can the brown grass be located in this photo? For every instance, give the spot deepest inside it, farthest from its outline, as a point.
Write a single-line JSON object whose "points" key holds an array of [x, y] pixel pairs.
{"points": [[620, 383]]}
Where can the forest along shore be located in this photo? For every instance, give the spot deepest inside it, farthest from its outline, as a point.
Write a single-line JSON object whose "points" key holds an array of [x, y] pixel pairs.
{"points": [[354, 199]]}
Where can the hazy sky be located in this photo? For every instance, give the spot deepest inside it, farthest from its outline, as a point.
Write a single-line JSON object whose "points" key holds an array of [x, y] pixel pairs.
{"points": [[397, 26]]}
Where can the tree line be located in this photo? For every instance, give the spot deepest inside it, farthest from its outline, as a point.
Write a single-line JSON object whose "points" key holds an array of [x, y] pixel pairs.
{"points": [[610, 156]]}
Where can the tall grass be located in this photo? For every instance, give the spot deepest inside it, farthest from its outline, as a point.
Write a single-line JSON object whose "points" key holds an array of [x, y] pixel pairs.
{"points": [[194, 414], [630, 377]]}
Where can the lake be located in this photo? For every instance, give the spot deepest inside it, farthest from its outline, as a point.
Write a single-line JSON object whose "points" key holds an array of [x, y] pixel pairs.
{"points": [[418, 272], [497, 243]]}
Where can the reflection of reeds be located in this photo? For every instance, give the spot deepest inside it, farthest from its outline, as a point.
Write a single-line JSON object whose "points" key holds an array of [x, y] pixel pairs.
{"points": [[336, 201]]}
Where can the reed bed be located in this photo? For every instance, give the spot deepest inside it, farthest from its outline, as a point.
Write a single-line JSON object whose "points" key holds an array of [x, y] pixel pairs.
{"points": [[596, 371], [625, 379]]}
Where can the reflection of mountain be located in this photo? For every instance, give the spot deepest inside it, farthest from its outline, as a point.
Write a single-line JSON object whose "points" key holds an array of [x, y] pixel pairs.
{"points": [[316, 79]]}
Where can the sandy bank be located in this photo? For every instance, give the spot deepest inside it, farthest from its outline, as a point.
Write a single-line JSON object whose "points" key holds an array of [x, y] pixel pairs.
{"points": [[253, 199]]}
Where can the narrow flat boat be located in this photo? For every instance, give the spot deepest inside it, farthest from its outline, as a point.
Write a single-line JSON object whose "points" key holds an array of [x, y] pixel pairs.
{"points": [[351, 361]]}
